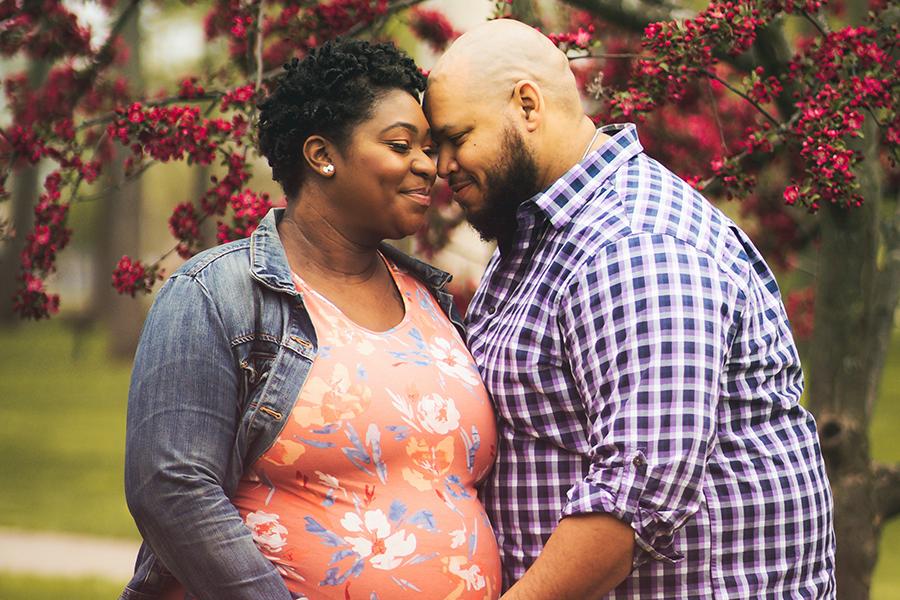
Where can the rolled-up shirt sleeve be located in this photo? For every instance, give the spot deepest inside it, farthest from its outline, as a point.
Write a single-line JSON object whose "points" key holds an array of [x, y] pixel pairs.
{"points": [[646, 324]]}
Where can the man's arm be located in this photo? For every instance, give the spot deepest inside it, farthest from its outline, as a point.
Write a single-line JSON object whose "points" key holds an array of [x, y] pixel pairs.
{"points": [[587, 556]]}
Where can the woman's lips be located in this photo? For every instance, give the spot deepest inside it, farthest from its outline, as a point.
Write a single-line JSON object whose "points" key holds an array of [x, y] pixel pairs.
{"points": [[419, 196]]}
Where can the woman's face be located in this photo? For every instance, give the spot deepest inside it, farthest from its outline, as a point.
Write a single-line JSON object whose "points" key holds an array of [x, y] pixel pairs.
{"points": [[385, 173]]}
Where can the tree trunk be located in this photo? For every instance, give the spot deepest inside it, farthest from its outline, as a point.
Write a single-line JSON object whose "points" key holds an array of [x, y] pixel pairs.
{"points": [[25, 192], [855, 302], [856, 297], [118, 228], [24, 197]]}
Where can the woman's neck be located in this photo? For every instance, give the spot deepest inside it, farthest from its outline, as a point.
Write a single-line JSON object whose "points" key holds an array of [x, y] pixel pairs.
{"points": [[315, 246]]}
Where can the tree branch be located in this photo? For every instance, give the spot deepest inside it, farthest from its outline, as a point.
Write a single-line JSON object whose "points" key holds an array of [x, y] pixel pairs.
{"points": [[357, 29], [603, 55], [715, 111], [206, 96], [636, 21], [104, 56], [883, 128], [392, 8], [753, 102], [887, 490], [820, 25], [774, 54]]}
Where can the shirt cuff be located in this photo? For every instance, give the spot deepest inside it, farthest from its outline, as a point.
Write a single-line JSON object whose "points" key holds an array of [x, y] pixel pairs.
{"points": [[617, 491]]}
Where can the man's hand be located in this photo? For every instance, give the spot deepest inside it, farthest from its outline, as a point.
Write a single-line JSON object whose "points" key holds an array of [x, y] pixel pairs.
{"points": [[587, 556]]}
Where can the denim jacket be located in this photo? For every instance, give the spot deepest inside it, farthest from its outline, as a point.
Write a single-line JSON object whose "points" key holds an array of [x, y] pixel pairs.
{"points": [[223, 354]]}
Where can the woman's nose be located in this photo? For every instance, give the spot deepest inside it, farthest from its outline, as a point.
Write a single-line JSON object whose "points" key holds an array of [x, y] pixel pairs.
{"points": [[424, 165]]}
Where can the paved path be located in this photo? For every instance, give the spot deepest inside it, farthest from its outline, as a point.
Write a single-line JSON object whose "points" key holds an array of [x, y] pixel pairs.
{"points": [[66, 555]]}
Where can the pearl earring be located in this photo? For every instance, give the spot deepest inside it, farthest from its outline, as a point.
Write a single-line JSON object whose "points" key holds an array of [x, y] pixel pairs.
{"points": [[328, 169]]}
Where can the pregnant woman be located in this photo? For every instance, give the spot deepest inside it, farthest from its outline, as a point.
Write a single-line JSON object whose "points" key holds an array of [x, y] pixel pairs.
{"points": [[304, 418]]}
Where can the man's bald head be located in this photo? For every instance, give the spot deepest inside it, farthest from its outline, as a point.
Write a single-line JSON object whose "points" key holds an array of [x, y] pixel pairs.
{"points": [[486, 62], [506, 115]]}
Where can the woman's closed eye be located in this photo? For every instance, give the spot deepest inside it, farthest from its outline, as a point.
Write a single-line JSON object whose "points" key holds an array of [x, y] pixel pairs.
{"points": [[401, 147]]}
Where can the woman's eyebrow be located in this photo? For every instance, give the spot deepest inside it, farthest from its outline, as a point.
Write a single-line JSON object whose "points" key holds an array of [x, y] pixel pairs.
{"points": [[402, 124]]}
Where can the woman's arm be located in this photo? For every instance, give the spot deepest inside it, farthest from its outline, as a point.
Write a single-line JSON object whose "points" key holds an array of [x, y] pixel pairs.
{"points": [[183, 415]]}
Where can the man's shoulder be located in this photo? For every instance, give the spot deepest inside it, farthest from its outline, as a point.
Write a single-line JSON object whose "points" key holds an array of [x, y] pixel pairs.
{"points": [[644, 198]]}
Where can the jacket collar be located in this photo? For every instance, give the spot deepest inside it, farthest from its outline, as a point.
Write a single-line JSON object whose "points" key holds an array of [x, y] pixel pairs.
{"points": [[269, 264], [268, 261]]}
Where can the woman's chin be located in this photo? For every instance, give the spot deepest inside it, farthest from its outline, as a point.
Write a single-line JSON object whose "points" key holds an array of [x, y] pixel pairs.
{"points": [[409, 228]]}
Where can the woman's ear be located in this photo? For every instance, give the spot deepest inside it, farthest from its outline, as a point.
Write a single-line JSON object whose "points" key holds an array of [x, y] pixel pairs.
{"points": [[317, 152], [529, 103]]}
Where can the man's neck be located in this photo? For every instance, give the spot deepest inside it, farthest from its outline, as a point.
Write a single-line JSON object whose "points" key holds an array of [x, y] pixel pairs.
{"points": [[568, 146]]}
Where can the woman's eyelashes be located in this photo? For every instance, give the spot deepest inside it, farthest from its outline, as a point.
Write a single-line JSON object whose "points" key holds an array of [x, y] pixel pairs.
{"points": [[400, 147]]}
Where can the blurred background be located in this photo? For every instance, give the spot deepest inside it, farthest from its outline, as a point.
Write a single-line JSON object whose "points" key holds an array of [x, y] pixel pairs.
{"points": [[64, 526]]}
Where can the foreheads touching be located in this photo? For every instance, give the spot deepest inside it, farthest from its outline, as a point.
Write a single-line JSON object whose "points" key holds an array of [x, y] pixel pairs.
{"points": [[329, 92]]}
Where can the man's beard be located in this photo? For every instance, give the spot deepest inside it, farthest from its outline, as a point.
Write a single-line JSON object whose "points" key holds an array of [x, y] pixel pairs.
{"points": [[512, 181]]}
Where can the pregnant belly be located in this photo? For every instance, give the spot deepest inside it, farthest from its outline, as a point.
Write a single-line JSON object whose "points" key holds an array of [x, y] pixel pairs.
{"points": [[374, 544]]}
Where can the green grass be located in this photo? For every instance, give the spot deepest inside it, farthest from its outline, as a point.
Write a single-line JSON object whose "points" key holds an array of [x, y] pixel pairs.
{"points": [[63, 425], [14, 586]]}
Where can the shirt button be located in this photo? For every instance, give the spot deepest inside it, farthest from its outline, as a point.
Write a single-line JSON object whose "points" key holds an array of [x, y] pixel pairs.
{"points": [[638, 461], [492, 310]]}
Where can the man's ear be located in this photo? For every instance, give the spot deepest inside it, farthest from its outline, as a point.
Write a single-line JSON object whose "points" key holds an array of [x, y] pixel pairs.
{"points": [[529, 103], [317, 151]]}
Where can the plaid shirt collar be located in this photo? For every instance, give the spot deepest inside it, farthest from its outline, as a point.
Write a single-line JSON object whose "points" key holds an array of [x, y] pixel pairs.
{"points": [[564, 198]]}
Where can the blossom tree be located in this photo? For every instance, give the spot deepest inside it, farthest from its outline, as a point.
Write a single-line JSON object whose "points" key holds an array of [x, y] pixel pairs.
{"points": [[787, 107]]}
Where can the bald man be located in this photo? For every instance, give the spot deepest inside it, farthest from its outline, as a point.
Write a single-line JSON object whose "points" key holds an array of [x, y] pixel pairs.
{"points": [[651, 443]]}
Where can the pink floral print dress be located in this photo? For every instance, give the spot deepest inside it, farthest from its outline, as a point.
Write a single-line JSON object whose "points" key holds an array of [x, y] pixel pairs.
{"points": [[369, 491]]}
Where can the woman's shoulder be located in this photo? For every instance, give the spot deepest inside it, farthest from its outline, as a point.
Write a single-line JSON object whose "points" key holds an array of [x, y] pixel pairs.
{"points": [[218, 258]]}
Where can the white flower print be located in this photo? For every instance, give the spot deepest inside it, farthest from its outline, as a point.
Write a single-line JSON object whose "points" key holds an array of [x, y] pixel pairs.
{"points": [[332, 482], [457, 538], [384, 549], [437, 414], [471, 574], [474, 578], [268, 533], [452, 361]]}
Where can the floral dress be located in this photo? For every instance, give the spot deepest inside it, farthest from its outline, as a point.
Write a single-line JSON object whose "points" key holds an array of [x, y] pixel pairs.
{"points": [[369, 491]]}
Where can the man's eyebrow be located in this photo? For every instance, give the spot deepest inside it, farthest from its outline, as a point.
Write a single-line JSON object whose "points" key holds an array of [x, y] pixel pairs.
{"points": [[444, 132]]}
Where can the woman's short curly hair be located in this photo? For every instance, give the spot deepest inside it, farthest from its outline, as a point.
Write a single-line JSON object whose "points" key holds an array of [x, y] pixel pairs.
{"points": [[328, 93]]}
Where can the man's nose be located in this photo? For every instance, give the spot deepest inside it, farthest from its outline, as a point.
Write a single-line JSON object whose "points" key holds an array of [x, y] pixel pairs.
{"points": [[446, 163]]}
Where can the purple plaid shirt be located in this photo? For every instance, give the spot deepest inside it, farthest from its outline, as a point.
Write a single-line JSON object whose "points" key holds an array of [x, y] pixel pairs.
{"points": [[642, 365]]}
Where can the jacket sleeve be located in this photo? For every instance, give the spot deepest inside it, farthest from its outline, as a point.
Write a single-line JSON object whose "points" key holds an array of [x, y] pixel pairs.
{"points": [[646, 326], [183, 415]]}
